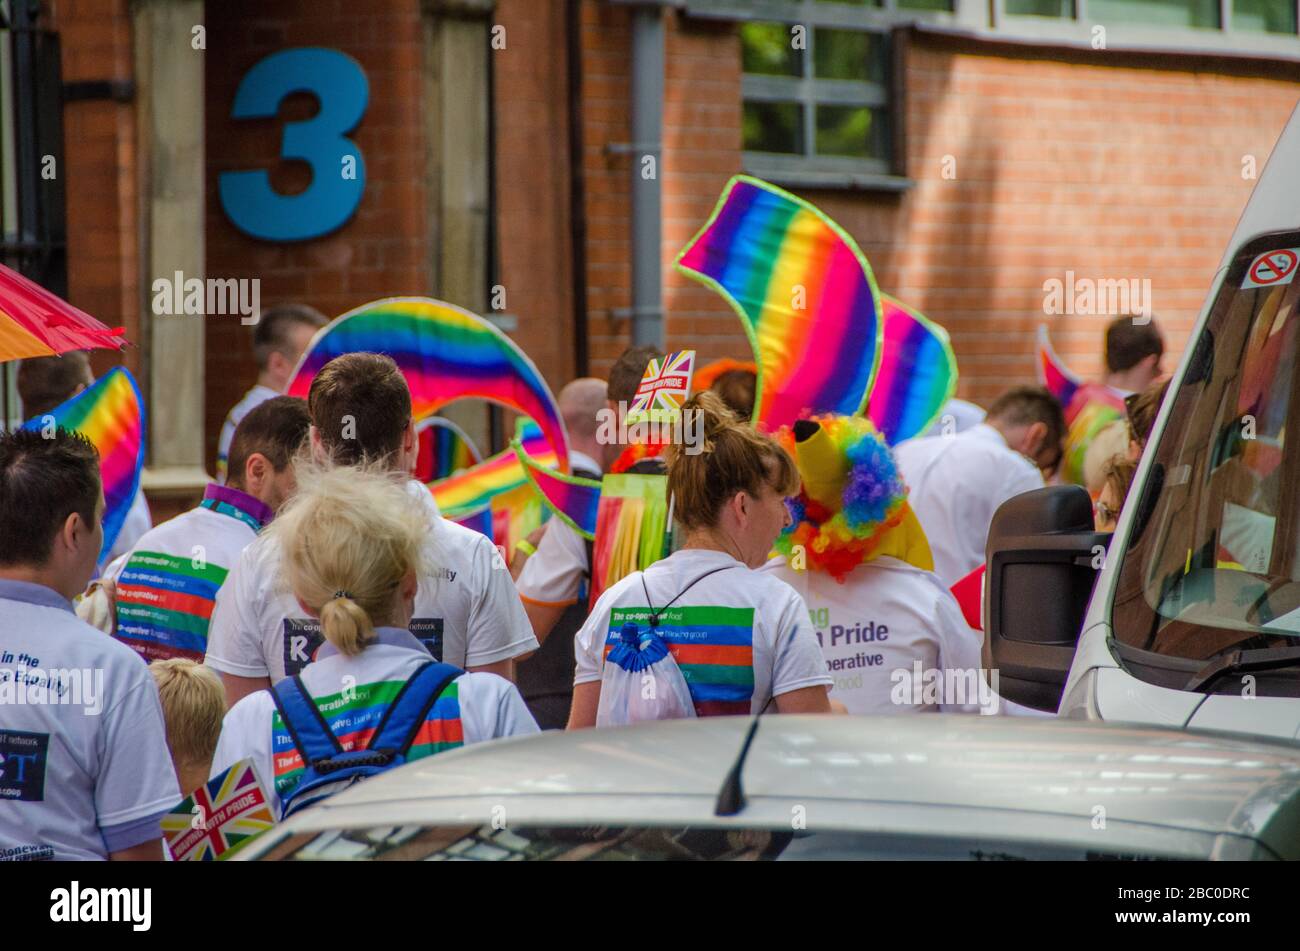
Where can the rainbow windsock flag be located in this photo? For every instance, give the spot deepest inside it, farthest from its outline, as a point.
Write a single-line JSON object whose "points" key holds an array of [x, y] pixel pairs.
{"points": [[110, 413], [803, 291], [917, 376], [664, 387], [573, 499], [446, 354], [220, 816], [470, 490], [1060, 381], [444, 449]]}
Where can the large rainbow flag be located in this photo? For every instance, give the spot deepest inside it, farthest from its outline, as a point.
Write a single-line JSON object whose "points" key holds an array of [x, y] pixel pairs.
{"points": [[110, 413], [804, 293], [917, 376]]}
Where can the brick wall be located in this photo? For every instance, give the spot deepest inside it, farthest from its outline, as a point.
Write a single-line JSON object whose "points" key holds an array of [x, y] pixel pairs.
{"points": [[99, 171], [1083, 162], [383, 250]]}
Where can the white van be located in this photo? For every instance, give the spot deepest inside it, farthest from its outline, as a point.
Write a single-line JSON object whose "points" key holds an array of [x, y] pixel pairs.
{"points": [[1189, 615]]}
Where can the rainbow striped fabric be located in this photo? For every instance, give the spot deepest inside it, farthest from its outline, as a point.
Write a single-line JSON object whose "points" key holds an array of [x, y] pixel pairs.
{"points": [[444, 449], [353, 717], [471, 490], [713, 646], [164, 604], [1053, 373], [804, 293], [918, 374], [110, 413], [218, 817], [446, 354], [571, 498]]}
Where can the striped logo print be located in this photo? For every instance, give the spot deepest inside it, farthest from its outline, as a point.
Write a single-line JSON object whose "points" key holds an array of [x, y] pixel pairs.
{"points": [[713, 646]]}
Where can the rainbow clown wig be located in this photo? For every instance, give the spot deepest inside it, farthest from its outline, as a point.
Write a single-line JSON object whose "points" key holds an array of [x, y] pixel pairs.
{"points": [[852, 506]]}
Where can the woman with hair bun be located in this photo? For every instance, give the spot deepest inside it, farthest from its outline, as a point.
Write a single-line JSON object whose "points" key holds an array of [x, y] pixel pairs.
{"points": [[355, 546], [740, 638]]}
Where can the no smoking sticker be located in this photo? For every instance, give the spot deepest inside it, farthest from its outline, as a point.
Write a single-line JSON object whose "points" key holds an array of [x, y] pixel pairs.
{"points": [[1272, 268]]}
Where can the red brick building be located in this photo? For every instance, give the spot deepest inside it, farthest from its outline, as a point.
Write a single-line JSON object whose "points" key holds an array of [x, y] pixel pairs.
{"points": [[974, 151]]}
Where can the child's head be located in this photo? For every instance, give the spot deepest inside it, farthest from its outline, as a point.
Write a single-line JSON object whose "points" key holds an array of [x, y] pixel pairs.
{"points": [[354, 542], [193, 703]]}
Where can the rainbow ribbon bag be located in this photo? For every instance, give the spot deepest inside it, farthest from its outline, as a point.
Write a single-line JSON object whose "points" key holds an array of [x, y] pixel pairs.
{"points": [[110, 413]]}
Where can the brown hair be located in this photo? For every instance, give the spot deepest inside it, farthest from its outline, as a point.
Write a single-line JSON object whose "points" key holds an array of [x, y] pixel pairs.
{"points": [[736, 387], [360, 404], [42, 482], [275, 429], [1142, 411], [1118, 477], [733, 457], [45, 382], [1128, 343], [1026, 405], [271, 334], [625, 375], [193, 703]]}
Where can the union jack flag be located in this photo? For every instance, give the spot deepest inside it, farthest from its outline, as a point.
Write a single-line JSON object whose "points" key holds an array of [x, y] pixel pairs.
{"points": [[664, 387], [217, 817]]}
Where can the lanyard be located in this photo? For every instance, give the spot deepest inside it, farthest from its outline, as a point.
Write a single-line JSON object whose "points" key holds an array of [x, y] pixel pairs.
{"points": [[225, 508], [655, 612]]}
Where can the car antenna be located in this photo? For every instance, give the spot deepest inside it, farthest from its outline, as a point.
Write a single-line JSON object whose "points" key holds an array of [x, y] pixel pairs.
{"points": [[731, 797]]}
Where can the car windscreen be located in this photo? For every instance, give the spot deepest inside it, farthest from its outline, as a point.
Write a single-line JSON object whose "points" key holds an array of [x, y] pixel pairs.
{"points": [[1212, 563], [655, 843]]}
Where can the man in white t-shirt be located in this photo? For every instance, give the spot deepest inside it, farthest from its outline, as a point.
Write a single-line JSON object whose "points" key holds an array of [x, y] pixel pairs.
{"points": [[468, 614], [956, 483], [165, 587], [85, 771], [280, 337]]}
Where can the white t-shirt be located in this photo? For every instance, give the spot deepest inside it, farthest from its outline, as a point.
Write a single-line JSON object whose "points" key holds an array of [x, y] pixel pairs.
{"points": [[138, 521], [886, 616], [353, 693], [739, 636], [167, 584], [955, 484], [468, 614], [90, 774], [553, 574], [254, 398]]}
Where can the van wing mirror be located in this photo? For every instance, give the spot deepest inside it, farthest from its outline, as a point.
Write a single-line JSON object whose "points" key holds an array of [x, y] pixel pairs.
{"points": [[1043, 557]]}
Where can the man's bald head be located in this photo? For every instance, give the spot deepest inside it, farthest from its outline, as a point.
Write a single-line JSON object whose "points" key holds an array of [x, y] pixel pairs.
{"points": [[580, 403]]}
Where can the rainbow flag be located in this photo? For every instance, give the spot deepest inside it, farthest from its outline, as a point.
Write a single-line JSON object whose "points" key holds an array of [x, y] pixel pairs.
{"points": [[446, 354], [573, 499], [110, 413], [918, 374], [471, 490], [219, 817], [1053, 373], [444, 449], [803, 291]]}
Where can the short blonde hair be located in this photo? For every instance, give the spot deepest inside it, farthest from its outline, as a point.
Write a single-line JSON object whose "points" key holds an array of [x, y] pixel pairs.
{"points": [[349, 536], [194, 703]]}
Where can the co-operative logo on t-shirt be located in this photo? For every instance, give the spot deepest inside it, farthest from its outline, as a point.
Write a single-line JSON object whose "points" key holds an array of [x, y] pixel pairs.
{"points": [[22, 765], [303, 638]]}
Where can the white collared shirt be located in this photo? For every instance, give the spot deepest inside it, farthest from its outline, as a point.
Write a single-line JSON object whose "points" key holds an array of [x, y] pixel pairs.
{"points": [[955, 484]]}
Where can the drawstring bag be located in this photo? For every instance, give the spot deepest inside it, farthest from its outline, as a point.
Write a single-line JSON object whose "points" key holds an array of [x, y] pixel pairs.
{"points": [[642, 681]]}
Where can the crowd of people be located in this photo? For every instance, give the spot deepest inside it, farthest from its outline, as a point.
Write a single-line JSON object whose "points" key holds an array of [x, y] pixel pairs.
{"points": [[316, 601]]}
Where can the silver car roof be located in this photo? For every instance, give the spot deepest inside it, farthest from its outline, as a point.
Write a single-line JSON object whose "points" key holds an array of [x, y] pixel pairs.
{"points": [[1103, 787]]}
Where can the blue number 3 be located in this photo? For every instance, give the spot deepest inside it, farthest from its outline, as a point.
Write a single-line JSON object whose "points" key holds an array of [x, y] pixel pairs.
{"points": [[338, 173]]}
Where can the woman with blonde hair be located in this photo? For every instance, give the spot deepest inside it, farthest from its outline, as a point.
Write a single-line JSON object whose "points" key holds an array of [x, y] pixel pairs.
{"points": [[741, 639], [354, 545]]}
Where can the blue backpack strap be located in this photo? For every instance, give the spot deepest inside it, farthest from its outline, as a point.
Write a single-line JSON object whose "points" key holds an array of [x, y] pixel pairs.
{"points": [[401, 721], [307, 728]]}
